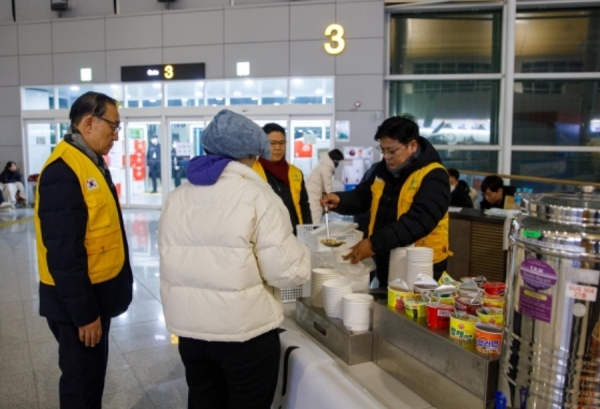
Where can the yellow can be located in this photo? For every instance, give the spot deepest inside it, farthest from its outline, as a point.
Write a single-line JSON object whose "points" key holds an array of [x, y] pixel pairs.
{"points": [[396, 298], [491, 315], [462, 326], [415, 307], [493, 301]]}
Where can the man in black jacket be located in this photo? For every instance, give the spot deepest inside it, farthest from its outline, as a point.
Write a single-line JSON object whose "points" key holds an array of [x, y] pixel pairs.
{"points": [[461, 192], [414, 198], [83, 257], [153, 161]]}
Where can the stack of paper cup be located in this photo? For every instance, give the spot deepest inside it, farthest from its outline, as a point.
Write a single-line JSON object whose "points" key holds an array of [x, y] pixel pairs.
{"points": [[319, 276], [419, 260], [333, 292], [398, 264], [358, 310]]}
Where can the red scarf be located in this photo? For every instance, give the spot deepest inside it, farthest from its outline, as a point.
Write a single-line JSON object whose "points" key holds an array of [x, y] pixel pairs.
{"points": [[278, 169]]}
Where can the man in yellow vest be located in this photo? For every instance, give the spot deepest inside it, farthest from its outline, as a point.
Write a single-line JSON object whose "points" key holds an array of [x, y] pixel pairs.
{"points": [[286, 179], [83, 261], [408, 194]]}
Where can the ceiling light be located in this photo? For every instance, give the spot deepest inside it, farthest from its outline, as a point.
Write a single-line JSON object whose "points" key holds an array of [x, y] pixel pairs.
{"points": [[319, 91], [277, 92], [85, 74], [156, 85], [297, 81], [74, 88], [242, 69]]}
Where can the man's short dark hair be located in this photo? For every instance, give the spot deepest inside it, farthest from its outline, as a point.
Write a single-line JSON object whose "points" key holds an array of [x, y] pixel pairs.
{"points": [[454, 173], [90, 103], [492, 182], [336, 154], [273, 127], [403, 128], [156, 137]]}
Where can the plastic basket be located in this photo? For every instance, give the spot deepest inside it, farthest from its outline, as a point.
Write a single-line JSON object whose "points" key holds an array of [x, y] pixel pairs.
{"points": [[291, 294], [313, 241]]}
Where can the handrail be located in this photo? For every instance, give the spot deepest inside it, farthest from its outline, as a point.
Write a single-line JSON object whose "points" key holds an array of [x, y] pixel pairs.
{"points": [[533, 178]]}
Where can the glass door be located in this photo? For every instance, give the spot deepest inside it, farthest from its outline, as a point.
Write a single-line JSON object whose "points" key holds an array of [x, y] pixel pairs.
{"points": [[185, 142], [310, 137], [115, 160], [143, 165], [41, 140]]}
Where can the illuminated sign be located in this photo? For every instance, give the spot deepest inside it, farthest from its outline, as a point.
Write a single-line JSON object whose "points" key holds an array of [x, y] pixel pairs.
{"points": [[335, 33], [140, 73]]}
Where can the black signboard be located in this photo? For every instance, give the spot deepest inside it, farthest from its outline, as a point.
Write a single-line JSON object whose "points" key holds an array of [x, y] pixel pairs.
{"points": [[165, 72]]}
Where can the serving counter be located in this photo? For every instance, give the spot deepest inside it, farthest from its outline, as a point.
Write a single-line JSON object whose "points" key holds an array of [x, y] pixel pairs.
{"points": [[445, 372], [448, 373]]}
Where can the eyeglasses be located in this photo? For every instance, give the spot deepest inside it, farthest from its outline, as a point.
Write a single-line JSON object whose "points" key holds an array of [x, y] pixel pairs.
{"points": [[275, 143], [389, 151], [116, 126]]}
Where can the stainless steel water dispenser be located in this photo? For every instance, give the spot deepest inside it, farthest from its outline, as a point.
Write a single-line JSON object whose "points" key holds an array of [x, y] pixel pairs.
{"points": [[551, 352]]}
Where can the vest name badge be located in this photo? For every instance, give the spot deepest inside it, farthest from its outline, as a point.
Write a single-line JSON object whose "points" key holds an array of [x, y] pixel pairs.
{"points": [[91, 184]]}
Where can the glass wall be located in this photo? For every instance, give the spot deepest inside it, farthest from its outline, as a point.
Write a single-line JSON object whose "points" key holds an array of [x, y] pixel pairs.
{"points": [[445, 43], [446, 68], [268, 91], [450, 112], [155, 146]]}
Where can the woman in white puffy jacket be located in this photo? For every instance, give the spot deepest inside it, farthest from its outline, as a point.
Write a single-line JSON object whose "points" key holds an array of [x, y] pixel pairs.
{"points": [[226, 248], [320, 181]]}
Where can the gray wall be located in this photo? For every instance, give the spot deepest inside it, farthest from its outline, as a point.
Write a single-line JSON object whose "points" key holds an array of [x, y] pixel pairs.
{"points": [[279, 40]]}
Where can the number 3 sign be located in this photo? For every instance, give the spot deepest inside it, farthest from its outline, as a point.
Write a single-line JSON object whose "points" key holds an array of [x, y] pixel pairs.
{"points": [[336, 33]]}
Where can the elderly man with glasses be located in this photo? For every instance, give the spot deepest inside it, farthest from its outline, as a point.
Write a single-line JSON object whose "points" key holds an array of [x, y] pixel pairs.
{"points": [[407, 193], [83, 261]]}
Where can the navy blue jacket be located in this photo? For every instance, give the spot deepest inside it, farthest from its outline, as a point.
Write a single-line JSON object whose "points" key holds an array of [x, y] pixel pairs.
{"points": [[63, 219]]}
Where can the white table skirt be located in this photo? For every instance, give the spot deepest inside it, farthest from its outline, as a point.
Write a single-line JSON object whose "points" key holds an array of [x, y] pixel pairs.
{"points": [[313, 380]]}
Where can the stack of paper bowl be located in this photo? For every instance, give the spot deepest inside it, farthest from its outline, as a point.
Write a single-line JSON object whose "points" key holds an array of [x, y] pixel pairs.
{"points": [[358, 309], [419, 260], [398, 264], [319, 276], [333, 292]]}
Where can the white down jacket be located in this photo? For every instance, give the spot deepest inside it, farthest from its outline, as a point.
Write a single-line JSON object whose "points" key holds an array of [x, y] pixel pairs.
{"points": [[319, 181], [224, 249]]}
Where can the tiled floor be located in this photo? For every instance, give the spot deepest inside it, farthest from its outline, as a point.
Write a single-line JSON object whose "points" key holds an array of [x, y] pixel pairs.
{"points": [[144, 369]]}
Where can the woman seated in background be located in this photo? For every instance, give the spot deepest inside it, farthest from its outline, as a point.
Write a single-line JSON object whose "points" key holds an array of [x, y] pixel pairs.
{"points": [[320, 181], [12, 181], [226, 248]]}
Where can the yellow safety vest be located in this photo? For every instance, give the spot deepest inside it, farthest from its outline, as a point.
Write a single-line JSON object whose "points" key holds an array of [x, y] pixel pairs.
{"points": [[103, 237], [295, 176], [438, 238]]}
